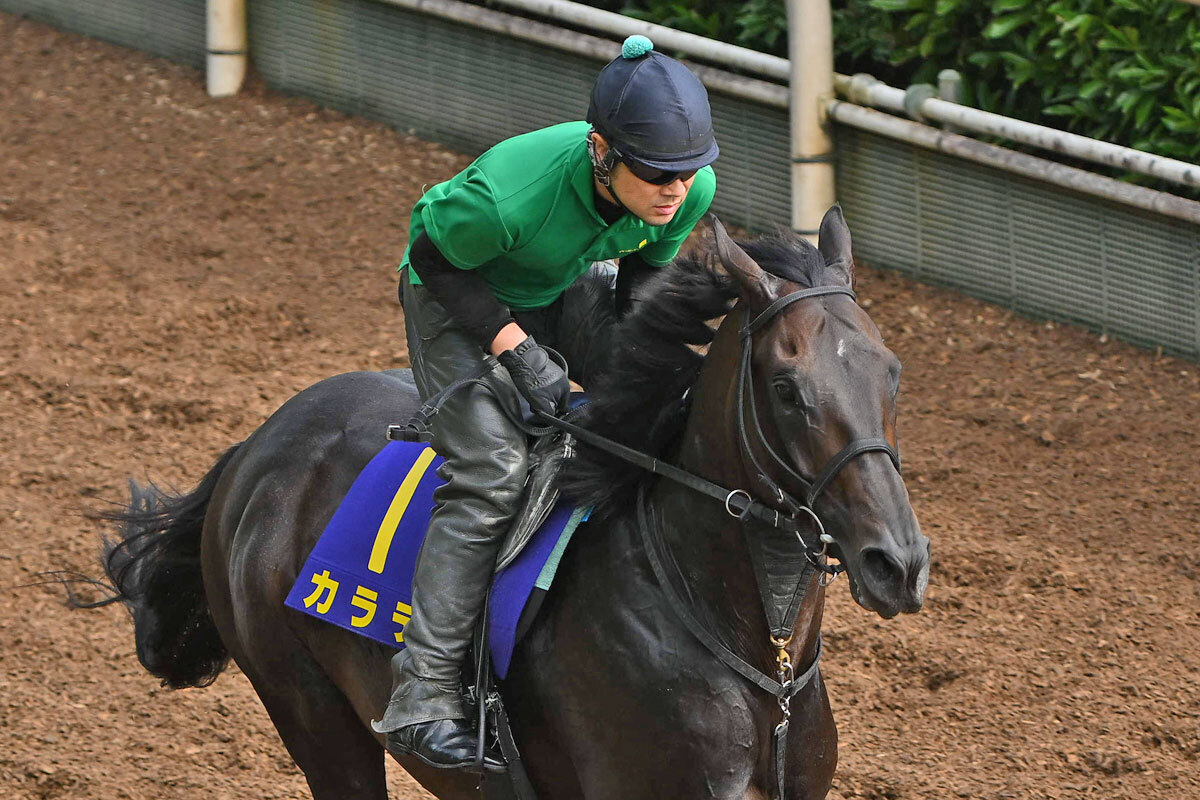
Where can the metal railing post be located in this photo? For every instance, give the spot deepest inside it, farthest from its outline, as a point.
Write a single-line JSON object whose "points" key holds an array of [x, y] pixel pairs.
{"points": [[226, 36], [810, 51]]}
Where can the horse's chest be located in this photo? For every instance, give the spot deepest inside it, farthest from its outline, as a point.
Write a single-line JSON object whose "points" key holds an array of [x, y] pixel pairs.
{"points": [[634, 694], [667, 678]]}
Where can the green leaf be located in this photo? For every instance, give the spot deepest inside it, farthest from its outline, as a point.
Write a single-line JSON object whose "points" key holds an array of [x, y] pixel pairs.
{"points": [[1127, 100], [895, 5], [1143, 110], [1179, 121], [1132, 74], [918, 20], [1059, 110], [983, 58], [1001, 27], [1092, 88], [1074, 22]]}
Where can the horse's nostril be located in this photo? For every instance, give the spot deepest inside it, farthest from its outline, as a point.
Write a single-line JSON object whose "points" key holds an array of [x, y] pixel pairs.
{"points": [[881, 569]]}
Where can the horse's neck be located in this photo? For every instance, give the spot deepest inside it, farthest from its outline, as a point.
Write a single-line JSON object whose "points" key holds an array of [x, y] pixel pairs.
{"points": [[710, 443], [708, 544]]}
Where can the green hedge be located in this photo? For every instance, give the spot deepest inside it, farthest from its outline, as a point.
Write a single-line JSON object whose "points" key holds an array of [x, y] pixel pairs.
{"points": [[1126, 71]]}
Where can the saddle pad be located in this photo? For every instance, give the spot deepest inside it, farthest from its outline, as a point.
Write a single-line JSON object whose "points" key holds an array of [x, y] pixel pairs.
{"points": [[359, 575]]}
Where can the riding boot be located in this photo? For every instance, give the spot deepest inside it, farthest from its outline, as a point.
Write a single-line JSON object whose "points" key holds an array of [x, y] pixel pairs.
{"points": [[484, 469]]}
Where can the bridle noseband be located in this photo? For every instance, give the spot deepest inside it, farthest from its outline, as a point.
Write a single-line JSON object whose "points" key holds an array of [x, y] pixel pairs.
{"points": [[816, 486]]}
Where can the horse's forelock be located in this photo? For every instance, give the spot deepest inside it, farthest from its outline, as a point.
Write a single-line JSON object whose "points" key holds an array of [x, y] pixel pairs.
{"points": [[788, 255]]}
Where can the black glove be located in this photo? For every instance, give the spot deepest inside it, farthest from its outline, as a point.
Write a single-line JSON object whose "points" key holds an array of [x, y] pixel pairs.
{"points": [[539, 380]]}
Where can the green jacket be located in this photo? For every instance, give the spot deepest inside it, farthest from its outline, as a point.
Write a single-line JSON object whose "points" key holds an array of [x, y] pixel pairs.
{"points": [[524, 215]]}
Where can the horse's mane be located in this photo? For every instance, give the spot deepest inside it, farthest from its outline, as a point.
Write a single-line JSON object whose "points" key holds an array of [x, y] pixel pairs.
{"points": [[641, 398]]}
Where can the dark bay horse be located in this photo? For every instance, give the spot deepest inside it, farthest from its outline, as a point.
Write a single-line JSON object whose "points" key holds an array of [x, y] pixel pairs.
{"points": [[611, 696]]}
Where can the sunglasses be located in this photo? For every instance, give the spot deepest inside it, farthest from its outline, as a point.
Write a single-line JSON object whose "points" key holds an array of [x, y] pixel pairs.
{"points": [[659, 177]]}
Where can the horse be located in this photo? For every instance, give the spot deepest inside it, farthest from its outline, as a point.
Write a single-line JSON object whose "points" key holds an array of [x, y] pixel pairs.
{"points": [[615, 691]]}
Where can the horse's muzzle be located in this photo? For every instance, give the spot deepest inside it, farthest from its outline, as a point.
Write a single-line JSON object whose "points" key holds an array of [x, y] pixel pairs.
{"points": [[891, 580]]}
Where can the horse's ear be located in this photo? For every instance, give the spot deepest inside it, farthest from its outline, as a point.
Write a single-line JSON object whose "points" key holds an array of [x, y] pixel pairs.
{"points": [[834, 243], [758, 286]]}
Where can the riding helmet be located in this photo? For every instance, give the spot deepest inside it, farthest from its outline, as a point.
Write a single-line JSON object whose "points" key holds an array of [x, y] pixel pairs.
{"points": [[653, 109]]}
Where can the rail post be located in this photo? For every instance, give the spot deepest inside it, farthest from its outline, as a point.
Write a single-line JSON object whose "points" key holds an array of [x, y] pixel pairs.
{"points": [[810, 51], [226, 42]]}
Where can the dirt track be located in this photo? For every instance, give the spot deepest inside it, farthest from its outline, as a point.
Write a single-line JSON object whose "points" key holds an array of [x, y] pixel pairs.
{"points": [[172, 268]]}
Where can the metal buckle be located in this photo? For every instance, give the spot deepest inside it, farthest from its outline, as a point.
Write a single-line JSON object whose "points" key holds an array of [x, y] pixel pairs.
{"points": [[729, 499], [828, 574], [785, 674], [820, 528]]}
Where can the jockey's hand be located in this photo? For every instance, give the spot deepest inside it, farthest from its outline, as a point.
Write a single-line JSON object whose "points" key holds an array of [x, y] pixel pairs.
{"points": [[539, 380]]}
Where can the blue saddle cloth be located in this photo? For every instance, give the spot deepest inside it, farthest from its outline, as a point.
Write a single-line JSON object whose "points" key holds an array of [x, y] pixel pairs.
{"points": [[359, 575]]}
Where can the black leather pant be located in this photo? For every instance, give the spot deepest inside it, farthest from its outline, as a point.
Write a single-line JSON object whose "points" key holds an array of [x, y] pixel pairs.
{"points": [[484, 470]]}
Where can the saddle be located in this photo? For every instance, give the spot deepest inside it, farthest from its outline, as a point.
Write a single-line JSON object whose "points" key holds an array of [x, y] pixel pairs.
{"points": [[546, 457]]}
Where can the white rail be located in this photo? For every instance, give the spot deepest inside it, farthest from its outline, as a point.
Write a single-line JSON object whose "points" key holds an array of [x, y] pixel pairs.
{"points": [[764, 92], [866, 90], [1012, 161], [729, 55]]}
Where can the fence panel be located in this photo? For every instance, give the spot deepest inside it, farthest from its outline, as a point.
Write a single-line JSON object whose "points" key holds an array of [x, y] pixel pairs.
{"points": [[173, 29], [1039, 249]]}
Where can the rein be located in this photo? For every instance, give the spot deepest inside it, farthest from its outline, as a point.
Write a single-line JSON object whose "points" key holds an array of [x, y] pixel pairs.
{"points": [[782, 590]]}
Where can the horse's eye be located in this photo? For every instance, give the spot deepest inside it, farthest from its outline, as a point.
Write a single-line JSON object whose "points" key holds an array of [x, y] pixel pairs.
{"points": [[894, 380], [786, 392]]}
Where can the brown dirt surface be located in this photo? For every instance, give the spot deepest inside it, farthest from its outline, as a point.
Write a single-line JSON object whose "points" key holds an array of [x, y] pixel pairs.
{"points": [[173, 267]]}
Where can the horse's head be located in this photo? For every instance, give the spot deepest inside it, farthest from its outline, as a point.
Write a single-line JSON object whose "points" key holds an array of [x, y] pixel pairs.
{"points": [[821, 382]]}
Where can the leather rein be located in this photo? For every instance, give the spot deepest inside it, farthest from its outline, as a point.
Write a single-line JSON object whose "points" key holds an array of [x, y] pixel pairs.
{"points": [[739, 503]]}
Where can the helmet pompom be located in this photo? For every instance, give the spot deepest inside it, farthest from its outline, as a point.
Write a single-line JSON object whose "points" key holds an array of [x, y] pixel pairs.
{"points": [[636, 46]]}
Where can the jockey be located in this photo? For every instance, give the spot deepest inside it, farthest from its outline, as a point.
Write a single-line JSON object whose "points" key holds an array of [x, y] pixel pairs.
{"points": [[521, 248]]}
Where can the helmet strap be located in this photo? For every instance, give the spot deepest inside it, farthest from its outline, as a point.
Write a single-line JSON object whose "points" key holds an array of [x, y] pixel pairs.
{"points": [[602, 168]]}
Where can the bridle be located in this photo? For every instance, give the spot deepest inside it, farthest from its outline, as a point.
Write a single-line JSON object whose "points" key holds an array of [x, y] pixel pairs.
{"points": [[781, 616], [738, 502], [812, 488]]}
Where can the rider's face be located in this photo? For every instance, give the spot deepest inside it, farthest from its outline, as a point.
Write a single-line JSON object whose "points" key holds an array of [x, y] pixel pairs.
{"points": [[653, 204]]}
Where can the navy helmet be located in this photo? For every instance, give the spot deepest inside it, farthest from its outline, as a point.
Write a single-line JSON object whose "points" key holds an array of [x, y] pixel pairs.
{"points": [[653, 111]]}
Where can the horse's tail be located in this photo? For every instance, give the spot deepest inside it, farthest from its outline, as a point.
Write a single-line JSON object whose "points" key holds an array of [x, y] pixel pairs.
{"points": [[155, 568]]}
